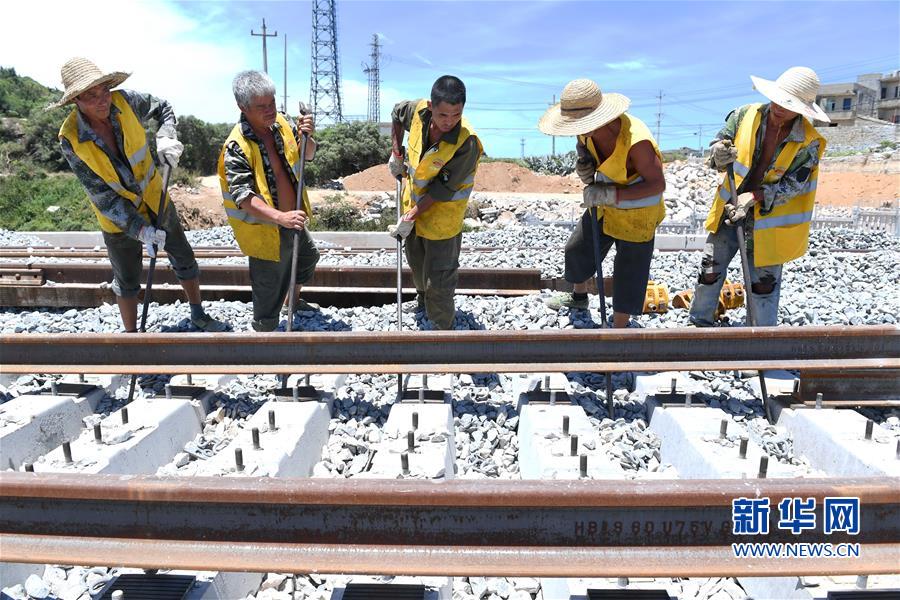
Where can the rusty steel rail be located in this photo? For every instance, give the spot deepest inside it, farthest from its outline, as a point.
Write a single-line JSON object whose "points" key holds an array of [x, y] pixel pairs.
{"points": [[689, 349], [849, 387], [79, 284], [572, 528]]}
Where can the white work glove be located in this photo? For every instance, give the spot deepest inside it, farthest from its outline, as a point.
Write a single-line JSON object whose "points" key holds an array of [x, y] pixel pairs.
{"points": [[169, 150], [722, 154], [151, 236], [402, 229], [599, 194], [737, 212], [397, 166]]}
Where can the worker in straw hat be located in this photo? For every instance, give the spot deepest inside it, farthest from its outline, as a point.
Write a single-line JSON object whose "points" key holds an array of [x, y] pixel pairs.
{"points": [[621, 168], [104, 140], [775, 153]]}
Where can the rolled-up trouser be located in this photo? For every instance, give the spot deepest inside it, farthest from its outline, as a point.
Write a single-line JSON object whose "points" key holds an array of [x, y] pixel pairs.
{"points": [[631, 266], [435, 271], [720, 248], [126, 255], [270, 280]]}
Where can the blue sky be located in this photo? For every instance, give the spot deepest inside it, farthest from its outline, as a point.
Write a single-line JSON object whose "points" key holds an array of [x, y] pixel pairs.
{"points": [[514, 56]]}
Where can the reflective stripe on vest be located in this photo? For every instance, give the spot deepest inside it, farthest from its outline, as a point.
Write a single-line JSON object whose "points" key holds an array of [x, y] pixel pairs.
{"points": [[629, 220], [630, 204], [444, 219], [784, 220], [256, 237]]}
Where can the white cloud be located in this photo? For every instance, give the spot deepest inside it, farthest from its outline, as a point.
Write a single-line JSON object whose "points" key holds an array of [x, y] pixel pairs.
{"points": [[627, 65], [164, 49]]}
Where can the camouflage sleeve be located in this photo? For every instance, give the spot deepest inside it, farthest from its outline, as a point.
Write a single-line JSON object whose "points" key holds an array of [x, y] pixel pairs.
{"points": [[403, 112], [729, 130], [795, 181], [238, 174], [458, 171], [146, 107], [111, 205]]}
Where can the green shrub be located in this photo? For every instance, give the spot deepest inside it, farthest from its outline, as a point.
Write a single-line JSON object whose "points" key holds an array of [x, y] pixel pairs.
{"points": [[516, 161], [338, 214], [202, 143], [20, 96], [346, 148], [561, 164], [26, 195]]}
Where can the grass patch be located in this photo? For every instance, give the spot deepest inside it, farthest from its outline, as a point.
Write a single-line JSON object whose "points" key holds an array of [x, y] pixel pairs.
{"points": [[41, 202]]}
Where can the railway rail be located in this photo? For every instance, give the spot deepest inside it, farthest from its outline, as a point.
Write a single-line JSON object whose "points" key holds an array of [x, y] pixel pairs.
{"points": [[824, 348], [508, 528]]}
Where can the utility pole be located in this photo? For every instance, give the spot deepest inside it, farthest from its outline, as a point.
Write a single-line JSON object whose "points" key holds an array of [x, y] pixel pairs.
{"points": [[374, 75], [523, 147], [264, 35], [700, 140], [658, 116], [325, 88], [284, 90], [553, 138]]}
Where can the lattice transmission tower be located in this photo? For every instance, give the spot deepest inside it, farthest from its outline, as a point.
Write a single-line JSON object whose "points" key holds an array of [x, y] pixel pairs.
{"points": [[325, 79], [372, 71]]}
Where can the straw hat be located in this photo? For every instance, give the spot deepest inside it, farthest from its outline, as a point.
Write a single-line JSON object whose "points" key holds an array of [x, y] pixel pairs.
{"points": [[795, 90], [80, 74], [582, 109]]}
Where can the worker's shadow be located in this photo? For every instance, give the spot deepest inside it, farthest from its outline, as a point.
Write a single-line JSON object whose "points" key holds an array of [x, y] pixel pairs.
{"points": [[463, 321], [315, 321]]}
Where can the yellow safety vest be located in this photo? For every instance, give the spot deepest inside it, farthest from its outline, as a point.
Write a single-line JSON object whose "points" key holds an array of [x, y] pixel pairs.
{"points": [[136, 151], [258, 238], [629, 220], [783, 234], [443, 220]]}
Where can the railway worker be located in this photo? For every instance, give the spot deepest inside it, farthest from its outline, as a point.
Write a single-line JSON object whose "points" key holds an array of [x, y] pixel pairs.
{"points": [[439, 169], [775, 151], [104, 140], [621, 168], [258, 172]]}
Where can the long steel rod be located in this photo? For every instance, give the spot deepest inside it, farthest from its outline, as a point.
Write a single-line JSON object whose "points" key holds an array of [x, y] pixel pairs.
{"points": [[697, 561], [602, 350], [254, 521]]}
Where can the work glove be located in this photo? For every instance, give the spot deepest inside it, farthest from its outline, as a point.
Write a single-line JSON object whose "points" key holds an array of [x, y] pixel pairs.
{"points": [[169, 150], [722, 154], [599, 194], [151, 236], [397, 166], [585, 167], [402, 229], [737, 212], [585, 171]]}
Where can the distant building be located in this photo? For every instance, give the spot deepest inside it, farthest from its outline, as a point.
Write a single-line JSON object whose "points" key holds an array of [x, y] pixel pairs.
{"points": [[872, 96]]}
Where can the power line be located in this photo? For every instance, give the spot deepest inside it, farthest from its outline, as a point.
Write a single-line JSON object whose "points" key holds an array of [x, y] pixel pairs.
{"points": [[264, 35]]}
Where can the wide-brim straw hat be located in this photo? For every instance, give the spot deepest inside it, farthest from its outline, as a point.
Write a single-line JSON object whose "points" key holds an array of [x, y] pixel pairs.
{"points": [[80, 74], [795, 90], [582, 108]]}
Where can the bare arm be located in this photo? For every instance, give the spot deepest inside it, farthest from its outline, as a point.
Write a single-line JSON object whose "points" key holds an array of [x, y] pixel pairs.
{"points": [[649, 167]]}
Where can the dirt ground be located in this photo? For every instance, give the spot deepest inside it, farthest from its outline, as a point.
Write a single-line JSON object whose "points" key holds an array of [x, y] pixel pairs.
{"points": [[202, 208], [491, 177]]}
